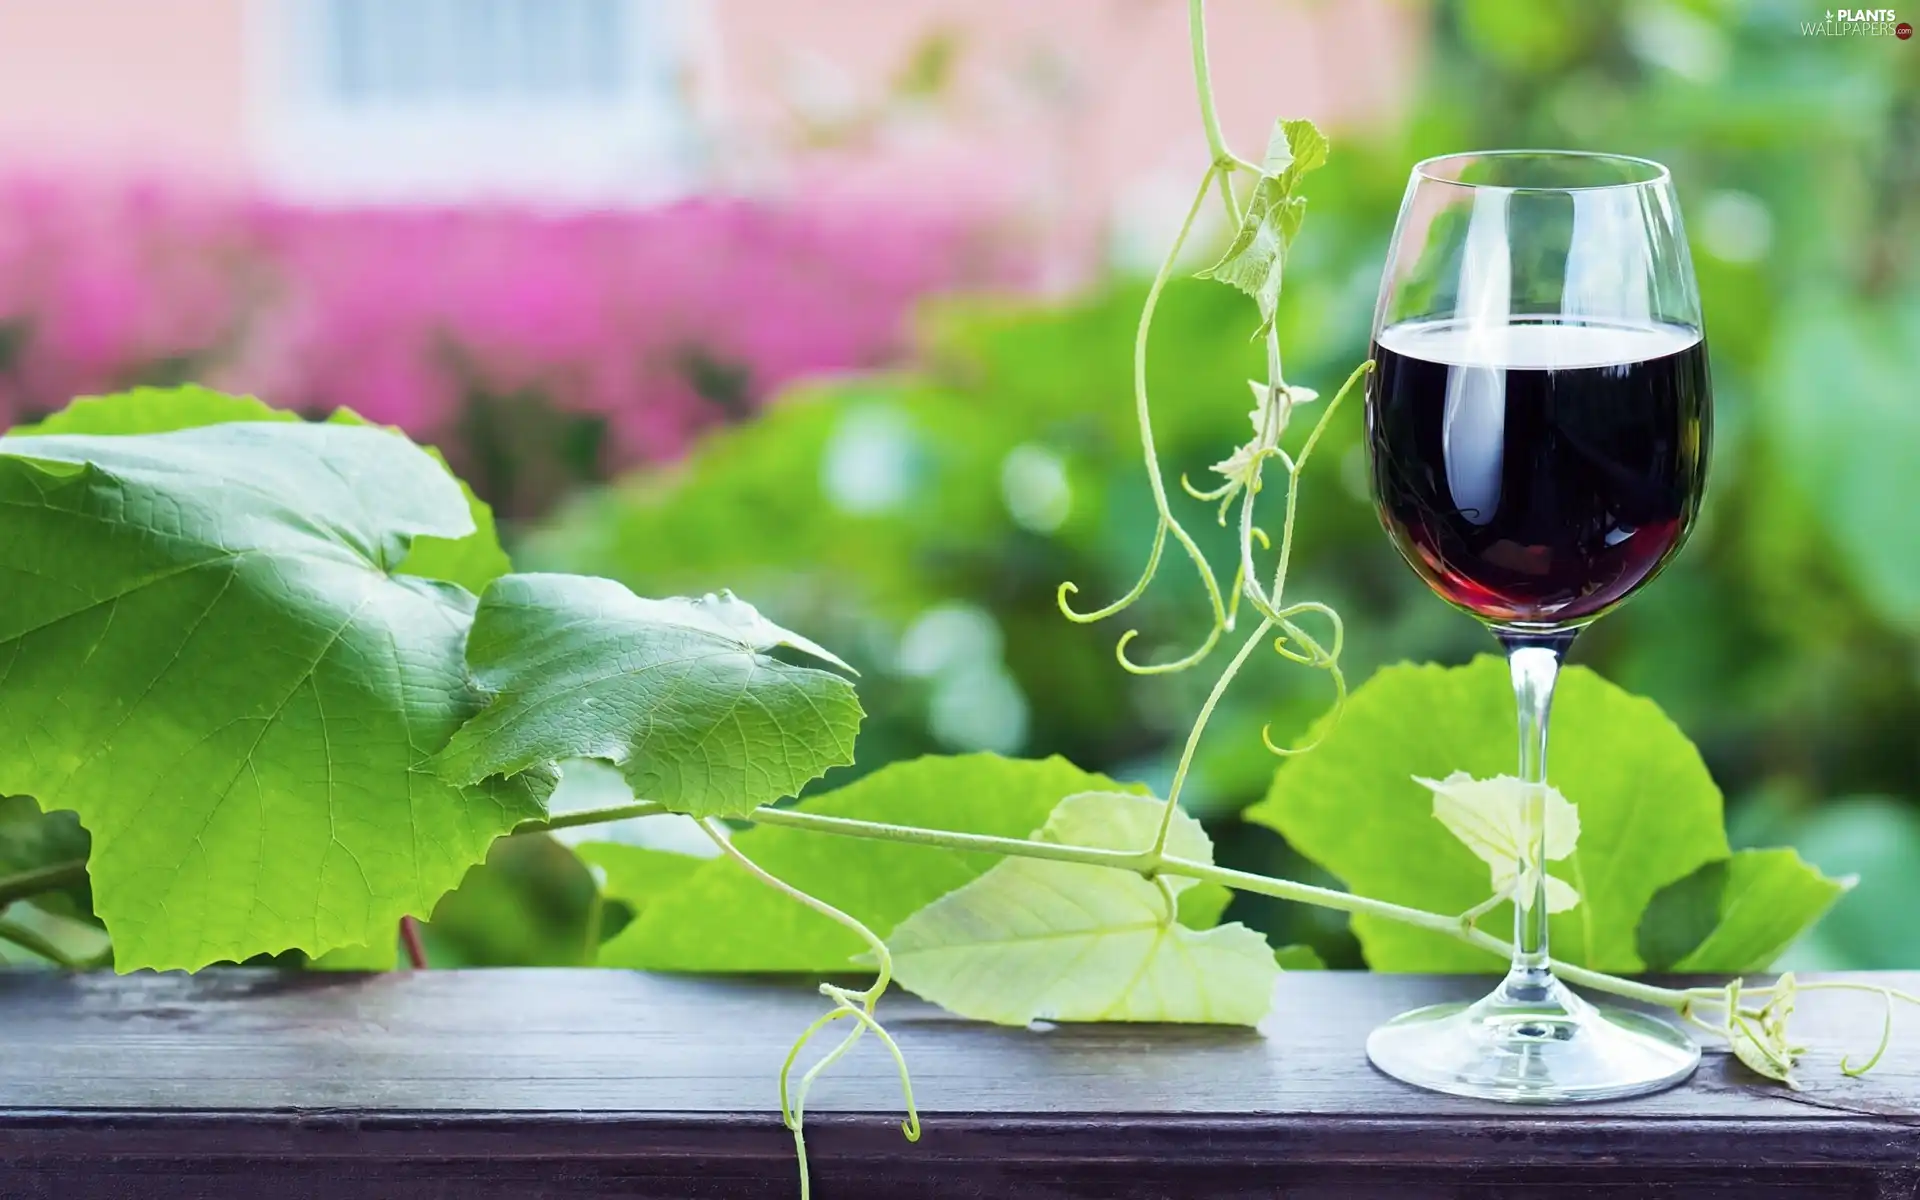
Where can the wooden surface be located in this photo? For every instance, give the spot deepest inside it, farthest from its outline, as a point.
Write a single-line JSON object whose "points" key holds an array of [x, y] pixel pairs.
{"points": [[603, 1083]]}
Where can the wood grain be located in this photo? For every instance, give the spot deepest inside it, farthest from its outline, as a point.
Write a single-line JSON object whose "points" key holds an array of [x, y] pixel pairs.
{"points": [[544, 1083]]}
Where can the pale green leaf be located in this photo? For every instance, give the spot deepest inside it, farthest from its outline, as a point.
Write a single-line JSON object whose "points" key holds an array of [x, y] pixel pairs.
{"points": [[1305, 149], [1256, 257], [681, 694], [722, 919], [209, 655], [1649, 812], [1489, 817], [1770, 898], [1038, 940]]}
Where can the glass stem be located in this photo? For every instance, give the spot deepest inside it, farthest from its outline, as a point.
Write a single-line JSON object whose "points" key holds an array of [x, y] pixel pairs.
{"points": [[1533, 659]]}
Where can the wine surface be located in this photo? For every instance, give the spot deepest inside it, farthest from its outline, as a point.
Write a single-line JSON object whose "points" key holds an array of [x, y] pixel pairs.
{"points": [[1538, 472]]}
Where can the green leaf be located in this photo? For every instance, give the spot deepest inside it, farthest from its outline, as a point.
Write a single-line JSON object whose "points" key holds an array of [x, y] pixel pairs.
{"points": [[682, 694], [722, 919], [472, 561], [383, 955], [1201, 905], [638, 875], [1256, 257], [152, 410], [1038, 940], [1299, 957], [1649, 812], [1680, 916], [1771, 897], [531, 904], [209, 656]]}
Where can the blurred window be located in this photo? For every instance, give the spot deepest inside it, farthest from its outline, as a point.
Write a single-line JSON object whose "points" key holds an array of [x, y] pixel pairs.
{"points": [[426, 51], [440, 101]]}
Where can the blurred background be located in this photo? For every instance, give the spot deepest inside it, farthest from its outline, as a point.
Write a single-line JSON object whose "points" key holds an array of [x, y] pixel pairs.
{"points": [[832, 303]]}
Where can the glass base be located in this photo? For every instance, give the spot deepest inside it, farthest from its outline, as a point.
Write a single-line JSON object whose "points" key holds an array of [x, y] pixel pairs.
{"points": [[1533, 1044]]}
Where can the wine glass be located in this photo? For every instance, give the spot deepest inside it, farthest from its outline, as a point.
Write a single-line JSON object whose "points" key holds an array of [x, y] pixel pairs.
{"points": [[1538, 422]]}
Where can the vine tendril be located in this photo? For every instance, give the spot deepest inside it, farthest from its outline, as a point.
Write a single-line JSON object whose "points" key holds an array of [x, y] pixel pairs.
{"points": [[847, 1003]]}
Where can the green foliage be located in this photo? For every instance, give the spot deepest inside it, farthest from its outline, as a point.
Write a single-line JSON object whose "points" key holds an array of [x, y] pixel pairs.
{"points": [[683, 694], [722, 919], [531, 903], [214, 660], [992, 949], [56, 925], [1841, 405], [636, 876], [1770, 898], [1877, 839], [1649, 816]]}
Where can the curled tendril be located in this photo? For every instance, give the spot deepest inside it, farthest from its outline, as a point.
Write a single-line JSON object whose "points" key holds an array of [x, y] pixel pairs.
{"points": [[847, 1003], [1168, 523], [1070, 588], [1886, 1038], [1323, 658], [1339, 627], [1186, 485], [1166, 668]]}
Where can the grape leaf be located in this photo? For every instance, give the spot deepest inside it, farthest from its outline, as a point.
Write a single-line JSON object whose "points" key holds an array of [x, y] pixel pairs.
{"points": [[1299, 957], [638, 875], [152, 410], [722, 919], [472, 561], [681, 694], [208, 653], [383, 955], [1680, 916], [1038, 940], [1770, 898], [1649, 812], [1257, 256]]}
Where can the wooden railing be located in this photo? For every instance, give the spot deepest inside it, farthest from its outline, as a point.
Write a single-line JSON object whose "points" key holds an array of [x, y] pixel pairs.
{"points": [[251, 1085]]}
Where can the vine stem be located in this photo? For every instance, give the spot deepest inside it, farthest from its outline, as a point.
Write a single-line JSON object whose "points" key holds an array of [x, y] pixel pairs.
{"points": [[410, 938], [42, 879], [1224, 158], [1167, 522], [793, 1102], [1144, 863]]}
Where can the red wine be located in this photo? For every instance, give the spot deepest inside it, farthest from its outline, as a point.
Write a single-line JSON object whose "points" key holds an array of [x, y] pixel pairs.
{"points": [[1538, 473]]}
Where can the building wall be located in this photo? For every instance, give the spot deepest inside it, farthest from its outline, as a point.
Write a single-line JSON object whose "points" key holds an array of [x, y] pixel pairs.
{"points": [[1047, 103], [126, 86]]}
